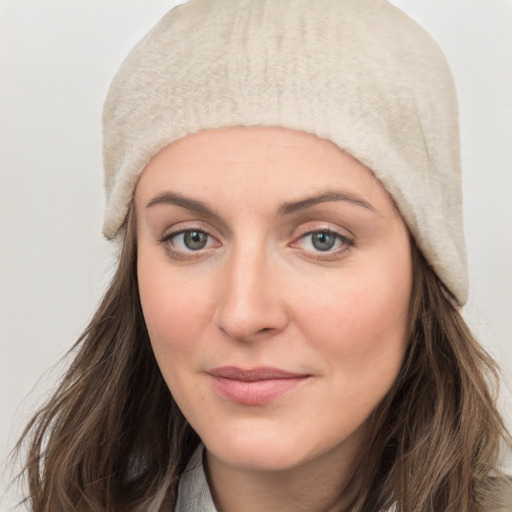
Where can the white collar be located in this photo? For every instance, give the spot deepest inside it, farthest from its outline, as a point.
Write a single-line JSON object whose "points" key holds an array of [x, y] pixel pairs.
{"points": [[193, 491]]}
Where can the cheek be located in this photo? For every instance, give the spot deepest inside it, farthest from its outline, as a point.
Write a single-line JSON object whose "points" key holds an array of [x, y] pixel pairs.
{"points": [[360, 324], [173, 324]]}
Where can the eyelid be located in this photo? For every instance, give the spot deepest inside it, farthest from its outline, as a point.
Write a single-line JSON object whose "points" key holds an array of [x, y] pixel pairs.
{"points": [[315, 226], [189, 225]]}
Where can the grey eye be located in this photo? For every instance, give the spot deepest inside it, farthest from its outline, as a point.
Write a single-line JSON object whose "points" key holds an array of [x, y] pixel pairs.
{"points": [[195, 240], [323, 240]]}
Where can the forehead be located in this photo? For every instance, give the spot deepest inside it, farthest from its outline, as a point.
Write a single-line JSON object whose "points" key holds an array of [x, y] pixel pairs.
{"points": [[273, 161]]}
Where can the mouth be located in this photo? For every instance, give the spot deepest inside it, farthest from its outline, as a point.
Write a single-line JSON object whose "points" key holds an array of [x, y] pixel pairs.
{"points": [[256, 386]]}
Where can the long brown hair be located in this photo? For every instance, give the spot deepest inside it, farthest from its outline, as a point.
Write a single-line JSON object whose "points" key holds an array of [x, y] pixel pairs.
{"points": [[437, 436], [112, 438]]}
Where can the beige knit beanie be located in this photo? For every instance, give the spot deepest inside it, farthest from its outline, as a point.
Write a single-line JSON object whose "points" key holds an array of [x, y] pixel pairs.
{"points": [[359, 73]]}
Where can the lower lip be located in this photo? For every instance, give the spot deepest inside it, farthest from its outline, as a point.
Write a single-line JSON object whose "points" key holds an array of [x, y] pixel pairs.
{"points": [[255, 392]]}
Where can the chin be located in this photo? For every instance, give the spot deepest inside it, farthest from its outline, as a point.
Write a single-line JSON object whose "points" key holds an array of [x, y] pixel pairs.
{"points": [[262, 448], [272, 457], [253, 447]]}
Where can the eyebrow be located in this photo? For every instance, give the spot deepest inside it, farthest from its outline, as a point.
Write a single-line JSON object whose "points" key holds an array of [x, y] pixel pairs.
{"points": [[286, 208], [184, 202], [325, 197]]}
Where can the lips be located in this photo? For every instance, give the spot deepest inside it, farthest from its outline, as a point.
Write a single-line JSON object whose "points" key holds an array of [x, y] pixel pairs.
{"points": [[255, 386]]}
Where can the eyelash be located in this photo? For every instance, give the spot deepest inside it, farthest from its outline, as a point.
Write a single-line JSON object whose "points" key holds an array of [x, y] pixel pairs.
{"points": [[185, 254], [344, 242]]}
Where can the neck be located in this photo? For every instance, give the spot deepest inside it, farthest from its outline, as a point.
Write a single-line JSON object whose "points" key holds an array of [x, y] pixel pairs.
{"points": [[314, 486]]}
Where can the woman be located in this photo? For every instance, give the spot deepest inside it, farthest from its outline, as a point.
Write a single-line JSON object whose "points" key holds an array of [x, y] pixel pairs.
{"points": [[283, 329]]}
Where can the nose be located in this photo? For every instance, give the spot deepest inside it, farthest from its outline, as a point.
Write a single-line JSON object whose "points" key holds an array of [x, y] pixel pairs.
{"points": [[250, 301]]}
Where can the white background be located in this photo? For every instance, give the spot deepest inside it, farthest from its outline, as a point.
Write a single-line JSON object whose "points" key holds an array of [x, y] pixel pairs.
{"points": [[57, 58]]}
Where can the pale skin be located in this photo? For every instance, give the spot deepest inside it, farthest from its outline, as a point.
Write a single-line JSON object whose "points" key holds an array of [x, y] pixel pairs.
{"points": [[267, 247]]}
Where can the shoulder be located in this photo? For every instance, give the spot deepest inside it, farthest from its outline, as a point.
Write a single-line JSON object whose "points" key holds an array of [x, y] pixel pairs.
{"points": [[505, 495]]}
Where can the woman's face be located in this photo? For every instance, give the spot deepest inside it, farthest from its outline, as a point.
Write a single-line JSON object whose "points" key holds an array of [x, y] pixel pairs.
{"points": [[275, 278]]}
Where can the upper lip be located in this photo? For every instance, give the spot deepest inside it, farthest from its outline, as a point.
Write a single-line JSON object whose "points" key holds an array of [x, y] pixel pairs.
{"points": [[253, 374]]}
